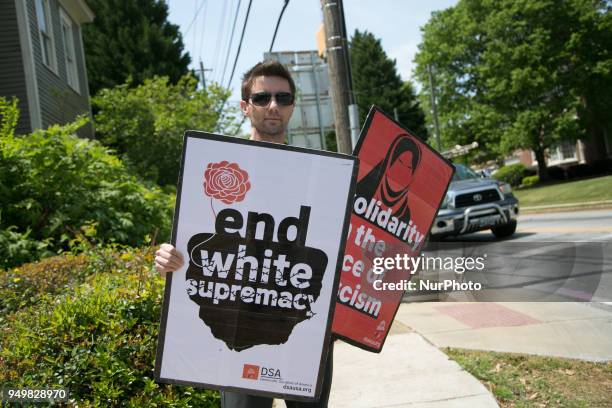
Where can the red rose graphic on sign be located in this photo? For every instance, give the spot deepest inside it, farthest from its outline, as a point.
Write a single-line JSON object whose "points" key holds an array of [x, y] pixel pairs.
{"points": [[226, 182], [250, 372]]}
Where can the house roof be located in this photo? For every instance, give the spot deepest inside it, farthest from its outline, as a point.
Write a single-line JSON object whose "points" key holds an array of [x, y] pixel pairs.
{"points": [[78, 10]]}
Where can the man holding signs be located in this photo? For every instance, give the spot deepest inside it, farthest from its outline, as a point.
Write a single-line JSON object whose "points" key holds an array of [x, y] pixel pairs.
{"points": [[268, 94], [255, 291]]}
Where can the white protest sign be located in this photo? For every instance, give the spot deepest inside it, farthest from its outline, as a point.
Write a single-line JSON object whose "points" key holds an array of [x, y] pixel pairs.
{"points": [[262, 229]]}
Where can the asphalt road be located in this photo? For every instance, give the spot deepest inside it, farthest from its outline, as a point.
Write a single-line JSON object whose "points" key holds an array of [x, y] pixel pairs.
{"points": [[576, 226], [565, 256]]}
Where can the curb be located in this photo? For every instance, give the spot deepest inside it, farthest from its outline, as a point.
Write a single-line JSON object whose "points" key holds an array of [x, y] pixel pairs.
{"points": [[589, 205]]}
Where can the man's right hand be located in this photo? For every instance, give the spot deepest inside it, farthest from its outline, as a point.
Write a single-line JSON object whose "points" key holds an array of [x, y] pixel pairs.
{"points": [[167, 259]]}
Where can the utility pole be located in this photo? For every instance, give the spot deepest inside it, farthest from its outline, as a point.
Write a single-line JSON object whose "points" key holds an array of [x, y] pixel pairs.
{"points": [[339, 71], [432, 96], [202, 77]]}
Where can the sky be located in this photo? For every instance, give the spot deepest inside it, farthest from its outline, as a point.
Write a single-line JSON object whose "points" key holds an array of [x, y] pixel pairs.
{"points": [[206, 27]]}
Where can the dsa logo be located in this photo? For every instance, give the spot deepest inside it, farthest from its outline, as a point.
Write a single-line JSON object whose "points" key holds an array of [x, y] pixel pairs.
{"points": [[271, 373], [250, 372]]}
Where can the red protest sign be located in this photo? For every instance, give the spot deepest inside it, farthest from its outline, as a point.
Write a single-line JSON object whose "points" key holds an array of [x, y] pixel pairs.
{"points": [[400, 186]]}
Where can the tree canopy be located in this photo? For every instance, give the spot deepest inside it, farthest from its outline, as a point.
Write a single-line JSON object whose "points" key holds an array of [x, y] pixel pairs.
{"points": [[145, 124], [376, 82], [132, 38], [519, 73]]}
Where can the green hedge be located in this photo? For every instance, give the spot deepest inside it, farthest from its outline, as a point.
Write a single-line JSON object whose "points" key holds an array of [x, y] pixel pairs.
{"points": [[90, 325], [24, 286], [512, 174], [54, 184], [530, 181]]}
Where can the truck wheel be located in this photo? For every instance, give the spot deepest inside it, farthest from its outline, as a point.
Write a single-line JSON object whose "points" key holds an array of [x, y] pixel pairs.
{"points": [[504, 230]]}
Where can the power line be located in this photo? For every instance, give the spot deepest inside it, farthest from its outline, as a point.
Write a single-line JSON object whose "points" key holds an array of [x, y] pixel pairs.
{"points": [[240, 126], [232, 22], [278, 23], [201, 70], [194, 19], [195, 31], [218, 59], [220, 36], [203, 30], [246, 19], [231, 41]]}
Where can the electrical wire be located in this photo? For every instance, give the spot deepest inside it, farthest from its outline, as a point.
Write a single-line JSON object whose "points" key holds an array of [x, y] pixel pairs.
{"points": [[278, 24], [240, 126], [195, 31], [218, 58], [203, 31], [220, 36], [230, 42], [246, 19], [194, 19]]}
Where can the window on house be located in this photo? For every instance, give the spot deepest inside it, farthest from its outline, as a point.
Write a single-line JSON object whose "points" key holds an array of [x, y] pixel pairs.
{"points": [[564, 150], [45, 33], [69, 55], [568, 150]]}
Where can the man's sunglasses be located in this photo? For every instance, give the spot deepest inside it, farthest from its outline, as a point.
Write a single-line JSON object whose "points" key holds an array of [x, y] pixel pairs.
{"points": [[262, 99]]}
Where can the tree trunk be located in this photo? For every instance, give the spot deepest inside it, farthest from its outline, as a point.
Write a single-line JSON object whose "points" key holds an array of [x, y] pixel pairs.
{"points": [[542, 169]]}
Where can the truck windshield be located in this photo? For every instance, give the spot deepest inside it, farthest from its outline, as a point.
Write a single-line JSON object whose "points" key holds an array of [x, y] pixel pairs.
{"points": [[464, 173]]}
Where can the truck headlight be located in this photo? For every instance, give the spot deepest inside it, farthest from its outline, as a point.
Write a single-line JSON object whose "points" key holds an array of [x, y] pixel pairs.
{"points": [[445, 202], [505, 188]]}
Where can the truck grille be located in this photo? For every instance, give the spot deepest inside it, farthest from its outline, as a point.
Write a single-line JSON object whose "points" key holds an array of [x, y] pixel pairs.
{"points": [[477, 197]]}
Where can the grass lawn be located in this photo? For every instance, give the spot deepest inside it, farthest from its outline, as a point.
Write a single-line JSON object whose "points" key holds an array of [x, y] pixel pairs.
{"points": [[519, 380], [595, 189]]}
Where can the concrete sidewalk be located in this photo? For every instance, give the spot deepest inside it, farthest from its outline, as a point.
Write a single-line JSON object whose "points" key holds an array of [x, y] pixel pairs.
{"points": [[565, 329], [412, 372], [409, 372]]}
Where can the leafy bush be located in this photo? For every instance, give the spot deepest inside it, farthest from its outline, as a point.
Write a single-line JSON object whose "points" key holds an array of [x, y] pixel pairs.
{"points": [[18, 248], [9, 114], [530, 181], [25, 285], [146, 124], [52, 183], [97, 337], [512, 174]]}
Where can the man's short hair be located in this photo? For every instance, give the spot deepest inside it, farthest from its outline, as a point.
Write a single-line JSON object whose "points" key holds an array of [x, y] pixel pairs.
{"points": [[265, 68]]}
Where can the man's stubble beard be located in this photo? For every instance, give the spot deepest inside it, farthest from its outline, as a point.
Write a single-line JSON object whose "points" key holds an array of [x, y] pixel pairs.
{"points": [[275, 134]]}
